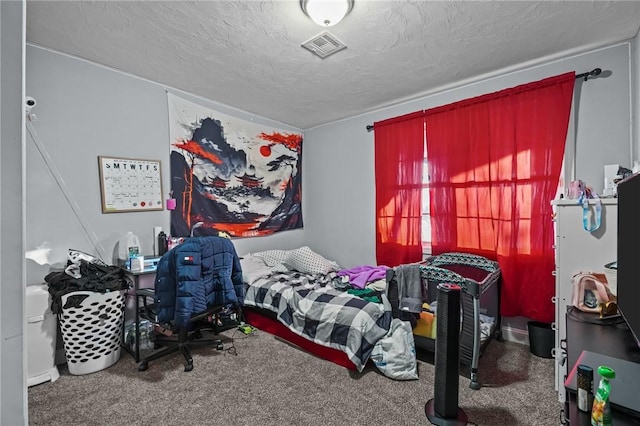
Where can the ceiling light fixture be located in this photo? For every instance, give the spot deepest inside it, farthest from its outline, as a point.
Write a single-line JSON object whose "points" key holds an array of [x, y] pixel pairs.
{"points": [[326, 13]]}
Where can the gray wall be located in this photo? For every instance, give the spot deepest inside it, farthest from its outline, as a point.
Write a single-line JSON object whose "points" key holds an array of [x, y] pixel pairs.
{"points": [[83, 111], [340, 218], [13, 390], [341, 212]]}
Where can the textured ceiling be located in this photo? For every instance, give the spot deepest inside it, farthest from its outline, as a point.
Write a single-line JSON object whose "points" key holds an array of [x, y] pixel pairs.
{"points": [[248, 54]]}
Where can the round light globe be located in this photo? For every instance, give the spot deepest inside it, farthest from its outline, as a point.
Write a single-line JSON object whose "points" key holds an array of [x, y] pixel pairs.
{"points": [[326, 13]]}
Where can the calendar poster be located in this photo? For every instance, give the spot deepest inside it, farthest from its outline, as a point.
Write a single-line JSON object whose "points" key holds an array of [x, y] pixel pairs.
{"points": [[130, 185]]}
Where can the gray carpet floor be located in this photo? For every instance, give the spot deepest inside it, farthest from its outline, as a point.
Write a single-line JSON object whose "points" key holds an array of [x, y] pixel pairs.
{"points": [[269, 382]]}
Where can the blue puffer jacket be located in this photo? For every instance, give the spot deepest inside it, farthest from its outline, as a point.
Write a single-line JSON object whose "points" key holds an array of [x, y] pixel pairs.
{"points": [[200, 273]]}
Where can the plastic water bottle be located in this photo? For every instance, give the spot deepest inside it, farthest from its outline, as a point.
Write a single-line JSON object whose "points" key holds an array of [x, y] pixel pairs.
{"points": [[128, 247], [601, 411]]}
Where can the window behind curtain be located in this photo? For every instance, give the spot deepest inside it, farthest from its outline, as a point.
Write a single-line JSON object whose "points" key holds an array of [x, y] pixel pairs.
{"points": [[495, 164], [426, 209]]}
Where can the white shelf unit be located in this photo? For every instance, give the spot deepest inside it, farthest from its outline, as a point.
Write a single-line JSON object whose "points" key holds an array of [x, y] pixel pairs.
{"points": [[578, 250]]}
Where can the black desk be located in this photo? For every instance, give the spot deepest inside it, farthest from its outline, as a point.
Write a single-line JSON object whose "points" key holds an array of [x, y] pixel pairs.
{"points": [[611, 338], [135, 352]]}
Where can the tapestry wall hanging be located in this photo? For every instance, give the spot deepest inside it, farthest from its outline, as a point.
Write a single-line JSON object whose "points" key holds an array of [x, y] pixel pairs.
{"points": [[231, 175]]}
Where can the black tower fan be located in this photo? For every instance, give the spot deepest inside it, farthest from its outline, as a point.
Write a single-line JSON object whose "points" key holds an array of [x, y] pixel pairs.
{"points": [[443, 408]]}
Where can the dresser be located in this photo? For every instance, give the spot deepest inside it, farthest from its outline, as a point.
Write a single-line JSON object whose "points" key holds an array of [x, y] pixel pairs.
{"points": [[577, 250]]}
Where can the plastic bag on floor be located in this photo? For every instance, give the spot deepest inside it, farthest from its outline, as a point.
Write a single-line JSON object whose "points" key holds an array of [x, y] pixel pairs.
{"points": [[395, 354]]}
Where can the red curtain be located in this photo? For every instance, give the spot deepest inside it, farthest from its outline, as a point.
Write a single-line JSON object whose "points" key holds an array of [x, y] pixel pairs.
{"points": [[399, 157], [494, 164]]}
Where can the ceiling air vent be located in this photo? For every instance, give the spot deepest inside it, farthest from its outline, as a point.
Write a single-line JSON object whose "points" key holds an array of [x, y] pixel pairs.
{"points": [[324, 44]]}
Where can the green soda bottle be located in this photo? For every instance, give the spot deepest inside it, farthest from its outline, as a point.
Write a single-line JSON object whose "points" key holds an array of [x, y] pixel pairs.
{"points": [[601, 411]]}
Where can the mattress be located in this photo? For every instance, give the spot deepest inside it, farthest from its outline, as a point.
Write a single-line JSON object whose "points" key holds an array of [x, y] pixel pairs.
{"points": [[311, 307]]}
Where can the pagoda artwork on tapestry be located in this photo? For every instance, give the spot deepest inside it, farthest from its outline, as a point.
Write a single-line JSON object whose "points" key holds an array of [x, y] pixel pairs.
{"points": [[231, 175]]}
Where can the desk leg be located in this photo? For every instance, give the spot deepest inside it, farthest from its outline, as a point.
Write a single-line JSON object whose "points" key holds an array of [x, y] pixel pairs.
{"points": [[137, 317], [135, 351], [124, 343]]}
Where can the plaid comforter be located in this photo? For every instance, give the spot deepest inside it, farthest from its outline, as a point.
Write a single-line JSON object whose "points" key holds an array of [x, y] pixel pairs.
{"points": [[309, 306]]}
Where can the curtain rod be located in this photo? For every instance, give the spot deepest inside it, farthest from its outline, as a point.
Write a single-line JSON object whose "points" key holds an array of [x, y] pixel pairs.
{"points": [[593, 73]]}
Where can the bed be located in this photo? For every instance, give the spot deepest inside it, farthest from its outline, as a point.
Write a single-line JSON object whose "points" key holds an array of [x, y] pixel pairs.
{"points": [[293, 294], [479, 279]]}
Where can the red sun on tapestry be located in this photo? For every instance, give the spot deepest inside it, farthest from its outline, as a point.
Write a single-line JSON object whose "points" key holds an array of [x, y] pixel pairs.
{"points": [[265, 150]]}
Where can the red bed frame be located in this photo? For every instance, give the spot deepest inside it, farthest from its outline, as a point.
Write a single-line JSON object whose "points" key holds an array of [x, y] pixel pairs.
{"points": [[273, 326]]}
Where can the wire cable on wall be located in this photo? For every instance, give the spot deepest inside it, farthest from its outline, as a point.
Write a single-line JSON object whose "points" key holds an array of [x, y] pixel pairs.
{"points": [[93, 238]]}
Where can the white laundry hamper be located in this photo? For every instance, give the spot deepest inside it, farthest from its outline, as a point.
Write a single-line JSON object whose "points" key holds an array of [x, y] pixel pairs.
{"points": [[91, 330]]}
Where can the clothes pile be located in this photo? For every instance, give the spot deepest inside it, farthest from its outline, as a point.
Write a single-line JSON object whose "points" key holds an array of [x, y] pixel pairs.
{"points": [[84, 272]]}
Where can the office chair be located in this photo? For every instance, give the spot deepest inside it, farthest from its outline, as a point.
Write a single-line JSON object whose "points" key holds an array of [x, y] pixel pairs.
{"points": [[202, 330], [198, 289]]}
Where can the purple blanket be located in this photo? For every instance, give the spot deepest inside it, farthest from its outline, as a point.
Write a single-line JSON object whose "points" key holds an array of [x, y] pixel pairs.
{"points": [[360, 276]]}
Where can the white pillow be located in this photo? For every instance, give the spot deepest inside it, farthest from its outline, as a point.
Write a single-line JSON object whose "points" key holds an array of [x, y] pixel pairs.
{"points": [[273, 257], [253, 268], [306, 260], [280, 267]]}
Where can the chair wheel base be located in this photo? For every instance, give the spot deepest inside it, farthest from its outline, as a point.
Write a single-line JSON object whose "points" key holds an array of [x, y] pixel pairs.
{"points": [[143, 366], [188, 367]]}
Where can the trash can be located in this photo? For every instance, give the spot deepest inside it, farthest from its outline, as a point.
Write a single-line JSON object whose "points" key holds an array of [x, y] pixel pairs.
{"points": [[541, 339], [41, 336], [91, 325]]}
